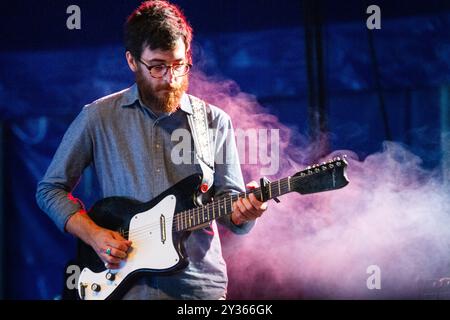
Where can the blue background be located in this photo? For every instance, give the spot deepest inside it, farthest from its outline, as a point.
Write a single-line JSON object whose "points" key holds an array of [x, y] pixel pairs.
{"points": [[48, 72]]}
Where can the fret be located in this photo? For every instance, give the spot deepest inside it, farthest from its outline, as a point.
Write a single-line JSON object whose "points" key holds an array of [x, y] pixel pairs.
{"points": [[218, 207], [189, 218], [289, 183], [233, 198], [207, 212], [201, 209], [270, 190], [214, 213], [279, 187], [178, 222]]}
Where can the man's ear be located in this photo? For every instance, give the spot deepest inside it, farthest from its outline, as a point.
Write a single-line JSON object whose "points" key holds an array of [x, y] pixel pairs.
{"points": [[132, 63], [189, 54]]}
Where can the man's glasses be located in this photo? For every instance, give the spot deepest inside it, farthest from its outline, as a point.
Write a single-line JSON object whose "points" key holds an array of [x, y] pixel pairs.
{"points": [[160, 70]]}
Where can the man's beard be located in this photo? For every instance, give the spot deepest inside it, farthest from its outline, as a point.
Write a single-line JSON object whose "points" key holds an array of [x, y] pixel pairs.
{"points": [[162, 101]]}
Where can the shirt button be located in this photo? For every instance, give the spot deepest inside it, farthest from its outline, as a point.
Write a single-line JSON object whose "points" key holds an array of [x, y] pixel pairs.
{"points": [[157, 170], [157, 145]]}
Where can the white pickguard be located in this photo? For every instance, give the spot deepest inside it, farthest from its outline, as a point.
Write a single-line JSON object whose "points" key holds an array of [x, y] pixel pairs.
{"points": [[148, 251]]}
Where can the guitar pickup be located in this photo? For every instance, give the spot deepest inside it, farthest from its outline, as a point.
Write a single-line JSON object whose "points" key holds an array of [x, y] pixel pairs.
{"points": [[162, 223]]}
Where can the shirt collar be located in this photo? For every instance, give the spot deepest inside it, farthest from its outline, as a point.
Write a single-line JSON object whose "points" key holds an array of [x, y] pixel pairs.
{"points": [[131, 97]]}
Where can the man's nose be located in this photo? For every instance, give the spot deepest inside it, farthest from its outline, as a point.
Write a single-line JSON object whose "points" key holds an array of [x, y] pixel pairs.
{"points": [[169, 77]]}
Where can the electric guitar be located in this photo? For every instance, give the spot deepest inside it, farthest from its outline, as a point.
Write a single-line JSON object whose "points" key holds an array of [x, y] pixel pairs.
{"points": [[158, 228]]}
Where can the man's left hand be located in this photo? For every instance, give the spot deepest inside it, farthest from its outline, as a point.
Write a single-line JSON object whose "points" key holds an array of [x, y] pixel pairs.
{"points": [[248, 209]]}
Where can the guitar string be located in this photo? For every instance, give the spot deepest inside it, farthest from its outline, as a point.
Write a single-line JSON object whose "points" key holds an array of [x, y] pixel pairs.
{"points": [[190, 217], [200, 210], [215, 203], [198, 213], [273, 185], [154, 226]]}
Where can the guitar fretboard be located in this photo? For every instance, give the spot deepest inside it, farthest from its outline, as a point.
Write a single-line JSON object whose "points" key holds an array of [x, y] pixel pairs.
{"points": [[327, 176], [224, 205]]}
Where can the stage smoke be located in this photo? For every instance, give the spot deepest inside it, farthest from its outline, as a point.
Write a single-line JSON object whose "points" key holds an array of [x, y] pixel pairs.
{"points": [[390, 222]]}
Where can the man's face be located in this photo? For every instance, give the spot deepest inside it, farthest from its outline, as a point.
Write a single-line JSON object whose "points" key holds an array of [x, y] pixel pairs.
{"points": [[163, 94]]}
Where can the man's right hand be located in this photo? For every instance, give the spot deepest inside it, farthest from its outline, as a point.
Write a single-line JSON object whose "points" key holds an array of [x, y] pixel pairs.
{"points": [[109, 245]]}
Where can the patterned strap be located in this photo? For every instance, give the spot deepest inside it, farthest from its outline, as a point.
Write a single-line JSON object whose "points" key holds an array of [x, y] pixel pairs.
{"points": [[198, 121]]}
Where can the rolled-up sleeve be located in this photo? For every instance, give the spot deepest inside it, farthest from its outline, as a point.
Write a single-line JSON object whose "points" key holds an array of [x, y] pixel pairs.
{"points": [[74, 154], [228, 174]]}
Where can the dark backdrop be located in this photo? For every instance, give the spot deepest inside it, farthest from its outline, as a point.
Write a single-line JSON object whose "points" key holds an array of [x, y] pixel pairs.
{"points": [[49, 72]]}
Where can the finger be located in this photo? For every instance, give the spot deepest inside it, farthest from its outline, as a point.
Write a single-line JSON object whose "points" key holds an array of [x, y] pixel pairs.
{"points": [[112, 265], [119, 237], [237, 214], [252, 185], [250, 209], [236, 218], [110, 259], [258, 205], [240, 207], [120, 245], [118, 253], [246, 209]]}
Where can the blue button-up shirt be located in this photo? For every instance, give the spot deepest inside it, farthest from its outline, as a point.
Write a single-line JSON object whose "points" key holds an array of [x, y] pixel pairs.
{"points": [[130, 149]]}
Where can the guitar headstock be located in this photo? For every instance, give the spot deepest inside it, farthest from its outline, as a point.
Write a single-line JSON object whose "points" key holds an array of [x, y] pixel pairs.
{"points": [[326, 176]]}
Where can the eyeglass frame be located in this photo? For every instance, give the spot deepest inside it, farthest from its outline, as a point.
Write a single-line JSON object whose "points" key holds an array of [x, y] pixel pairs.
{"points": [[167, 66]]}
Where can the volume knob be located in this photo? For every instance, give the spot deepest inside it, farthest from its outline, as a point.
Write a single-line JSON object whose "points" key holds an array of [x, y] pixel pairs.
{"points": [[110, 276], [95, 287]]}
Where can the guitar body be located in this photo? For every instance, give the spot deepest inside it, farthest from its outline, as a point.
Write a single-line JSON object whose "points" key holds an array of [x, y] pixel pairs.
{"points": [[155, 248]]}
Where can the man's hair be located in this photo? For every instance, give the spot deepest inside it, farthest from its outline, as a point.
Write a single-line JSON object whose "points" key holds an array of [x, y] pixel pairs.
{"points": [[157, 24]]}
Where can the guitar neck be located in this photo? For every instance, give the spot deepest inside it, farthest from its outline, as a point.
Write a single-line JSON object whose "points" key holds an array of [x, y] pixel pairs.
{"points": [[224, 205], [317, 178]]}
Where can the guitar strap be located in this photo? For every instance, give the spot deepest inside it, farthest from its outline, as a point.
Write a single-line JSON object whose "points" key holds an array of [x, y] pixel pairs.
{"points": [[204, 153]]}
